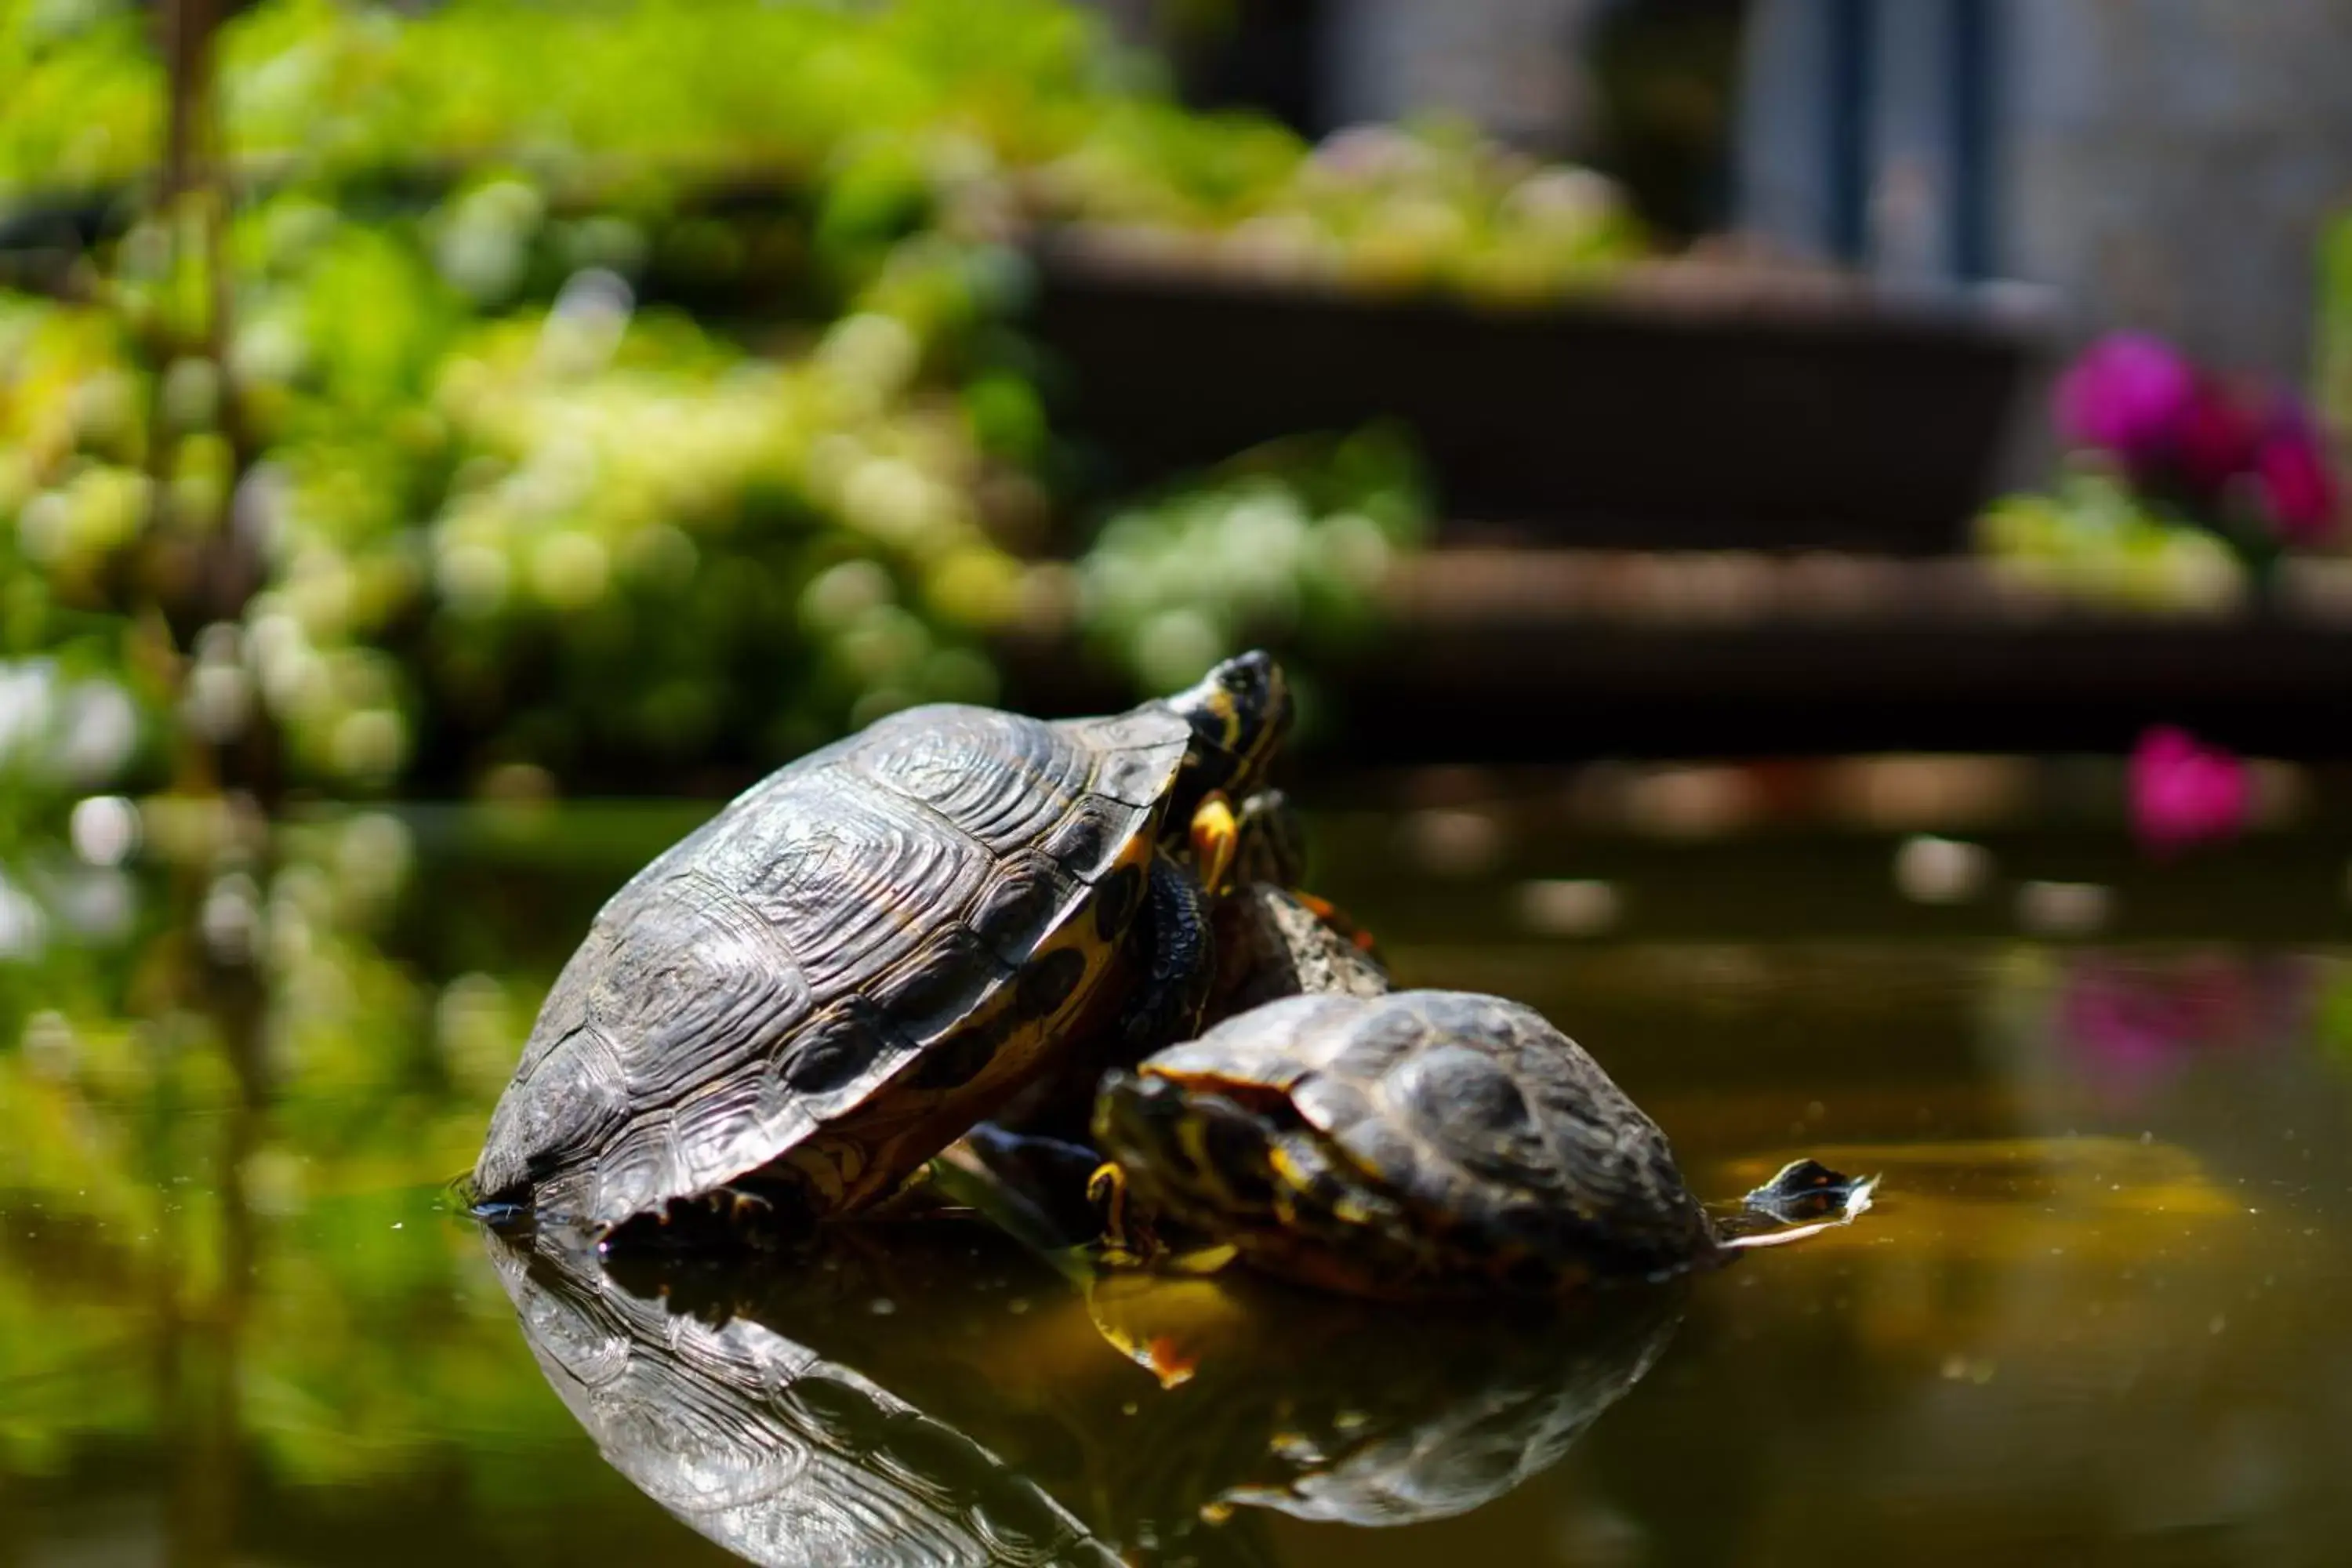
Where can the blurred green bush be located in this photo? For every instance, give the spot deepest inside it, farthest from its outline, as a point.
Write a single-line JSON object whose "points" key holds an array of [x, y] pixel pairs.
{"points": [[2333, 378], [654, 414], [984, 115]]}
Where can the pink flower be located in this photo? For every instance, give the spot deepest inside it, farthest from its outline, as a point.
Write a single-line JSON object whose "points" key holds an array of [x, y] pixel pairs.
{"points": [[2290, 475], [2129, 394], [2238, 457], [2184, 792]]}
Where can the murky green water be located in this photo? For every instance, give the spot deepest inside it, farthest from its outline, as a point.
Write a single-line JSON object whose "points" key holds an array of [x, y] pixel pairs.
{"points": [[2096, 1318]]}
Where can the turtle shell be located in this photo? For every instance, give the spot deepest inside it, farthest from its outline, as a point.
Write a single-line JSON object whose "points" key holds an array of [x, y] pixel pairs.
{"points": [[837, 974], [1401, 1143]]}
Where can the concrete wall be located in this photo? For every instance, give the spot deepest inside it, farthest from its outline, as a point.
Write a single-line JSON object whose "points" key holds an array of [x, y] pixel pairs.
{"points": [[2165, 163], [1509, 66], [2172, 161]]}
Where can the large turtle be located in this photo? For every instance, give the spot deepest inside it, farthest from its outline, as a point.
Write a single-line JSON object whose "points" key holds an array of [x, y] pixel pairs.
{"points": [[1417, 1143], [872, 948]]}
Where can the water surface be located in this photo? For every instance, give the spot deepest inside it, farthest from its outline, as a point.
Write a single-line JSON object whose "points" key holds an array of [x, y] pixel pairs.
{"points": [[2096, 1316]]}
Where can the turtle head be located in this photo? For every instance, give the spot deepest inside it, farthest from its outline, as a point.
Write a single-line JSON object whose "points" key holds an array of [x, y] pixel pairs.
{"points": [[1194, 1145], [1138, 1122], [1239, 712]]}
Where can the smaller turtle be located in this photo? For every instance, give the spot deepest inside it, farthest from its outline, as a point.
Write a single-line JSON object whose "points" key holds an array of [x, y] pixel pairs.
{"points": [[1414, 1143]]}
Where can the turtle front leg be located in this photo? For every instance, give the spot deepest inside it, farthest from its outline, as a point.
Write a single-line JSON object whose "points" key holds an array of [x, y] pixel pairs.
{"points": [[1216, 835], [1036, 1188], [1178, 957]]}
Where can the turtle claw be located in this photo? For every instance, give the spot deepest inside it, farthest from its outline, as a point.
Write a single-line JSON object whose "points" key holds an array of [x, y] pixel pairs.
{"points": [[1107, 1191], [1128, 1237], [726, 1219], [742, 1208]]}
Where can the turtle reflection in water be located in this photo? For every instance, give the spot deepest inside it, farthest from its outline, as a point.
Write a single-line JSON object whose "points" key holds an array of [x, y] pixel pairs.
{"points": [[805, 1000], [1416, 1143], [1364, 1413], [770, 1407], [763, 1445]]}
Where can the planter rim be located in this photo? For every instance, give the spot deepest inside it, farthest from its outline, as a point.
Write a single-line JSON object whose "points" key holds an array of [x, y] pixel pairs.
{"points": [[1664, 293]]}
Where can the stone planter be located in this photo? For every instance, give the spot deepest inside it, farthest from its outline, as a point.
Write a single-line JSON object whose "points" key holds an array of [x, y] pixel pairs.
{"points": [[1713, 416]]}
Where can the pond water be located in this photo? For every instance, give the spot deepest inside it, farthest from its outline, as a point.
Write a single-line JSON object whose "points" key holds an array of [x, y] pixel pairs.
{"points": [[2097, 1317]]}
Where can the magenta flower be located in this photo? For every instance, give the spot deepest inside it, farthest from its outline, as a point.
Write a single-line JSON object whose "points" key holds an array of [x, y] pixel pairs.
{"points": [[2184, 792], [2129, 394], [2127, 1020], [2133, 1023], [2214, 442], [2290, 475]]}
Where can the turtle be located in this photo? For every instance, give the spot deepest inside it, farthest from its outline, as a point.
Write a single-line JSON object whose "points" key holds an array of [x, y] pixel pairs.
{"points": [[1414, 1143], [793, 1008]]}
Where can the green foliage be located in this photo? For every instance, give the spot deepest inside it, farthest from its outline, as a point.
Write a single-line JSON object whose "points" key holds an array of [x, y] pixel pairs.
{"points": [[2096, 538], [1288, 545], [568, 528], [1377, 210], [226, 1124], [73, 447], [78, 712], [2333, 370], [85, 96]]}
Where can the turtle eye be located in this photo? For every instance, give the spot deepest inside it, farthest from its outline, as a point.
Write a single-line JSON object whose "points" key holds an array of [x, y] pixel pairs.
{"points": [[1229, 1095], [1241, 707]]}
